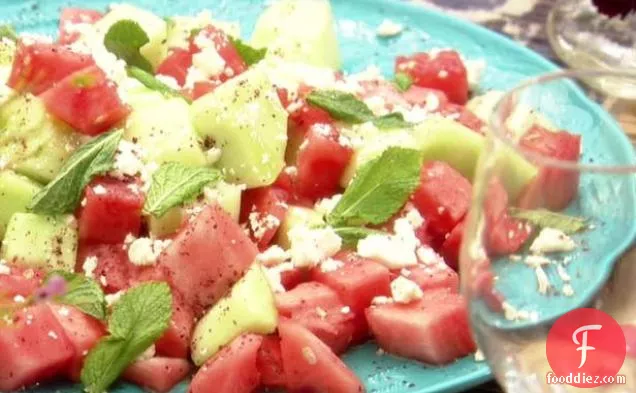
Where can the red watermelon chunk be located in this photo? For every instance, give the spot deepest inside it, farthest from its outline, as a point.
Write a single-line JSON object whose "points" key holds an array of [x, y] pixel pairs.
{"points": [[443, 71], [431, 274], [39, 66], [263, 209], [83, 331], [443, 197], [234, 369], [87, 101], [112, 263], [452, 244], [321, 161], [75, 16], [310, 365], [464, 116], [33, 349], [176, 65], [175, 342], [420, 96], [19, 281], [110, 211], [158, 374], [306, 116], [433, 330], [357, 282], [335, 326], [290, 279], [553, 188], [207, 257], [308, 295], [269, 362]]}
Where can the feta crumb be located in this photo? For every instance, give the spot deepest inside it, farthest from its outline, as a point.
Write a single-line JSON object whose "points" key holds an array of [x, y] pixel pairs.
{"points": [[259, 225], [567, 290], [291, 170], [442, 74], [113, 298], [103, 281], [84, 202], [479, 355], [149, 353], [213, 155], [330, 265], [89, 266], [515, 257], [405, 291], [4, 269], [168, 81], [474, 70], [274, 255], [294, 106], [19, 299], [511, 313], [432, 102], [273, 275], [537, 260], [563, 274], [380, 300], [309, 355], [389, 28], [145, 251], [310, 246], [542, 280], [380, 352], [377, 105], [128, 160], [405, 273], [34, 38], [429, 257], [414, 217], [552, 240], [209, 62], [394, 251], [100, 190], [326, 205], [345, 310], [193, 76], [64, 311], [52, 334], [321, 313]]}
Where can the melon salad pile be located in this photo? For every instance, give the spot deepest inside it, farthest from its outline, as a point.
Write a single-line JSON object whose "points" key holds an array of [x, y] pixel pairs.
{"points": [[175, 201]]}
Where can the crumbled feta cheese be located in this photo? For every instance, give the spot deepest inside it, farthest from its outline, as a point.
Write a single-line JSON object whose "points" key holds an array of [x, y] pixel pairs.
{"points": [[321, 312], [84, 202], [310, 246], [394, 251], [377, 105], [415, 114], [567, 290], [193, 76], [100, 190], [326, 205], [537, 260], [345, 310], [474, 70], [103, 281], [145, 251], [4, 269], [427, 256], [209, 62], [34, 38], [414, 217], [511, 313], [515, 257], [63, 311], [380, 300], [89, 266], [52, 334], [128, 160], [405, 272], [563, 274], [19, 299], [479, 355], [542, 280], [380, 352], [6, 93], [149, 353], [113, 298], [330, 265], [260, 224], [552, 240], [273, 256], [309, 356], [213, 155], [168, 81], [432, 102], [294, 106], [273, 275], [389, 28], [442, 74], [404, 290], [291, 170]]}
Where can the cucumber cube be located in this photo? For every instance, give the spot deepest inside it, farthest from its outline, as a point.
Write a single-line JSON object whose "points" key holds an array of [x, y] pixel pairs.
{"points": [[16, 192]]}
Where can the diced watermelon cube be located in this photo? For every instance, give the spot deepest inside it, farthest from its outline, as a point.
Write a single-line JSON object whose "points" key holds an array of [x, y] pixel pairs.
{"points": [[207, 257], [233, 369], [75, 16], [443, 196], [464, 116], [331, 325], [433, 330], [451, 246], [112, 263], [308, 295], [269, 362], [306, 116], [34, 348], [83, 332], [20, 281], [310, 365], [438, 276], [263, 209], [158, 374], [290, 279], [175, 342], [110, 211]]}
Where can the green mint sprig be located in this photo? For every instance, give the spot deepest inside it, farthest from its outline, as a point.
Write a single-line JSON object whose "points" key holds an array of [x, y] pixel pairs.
{"points": [[124, 39]]}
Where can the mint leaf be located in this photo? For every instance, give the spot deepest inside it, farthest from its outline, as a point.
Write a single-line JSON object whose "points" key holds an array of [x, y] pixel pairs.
{"points": [[250, 55], [153, 83], [175, 183], [379, 189], [124, 39], [7, 31], [351, 235], [63, 193], [403, 81], [392, 120], [82, 293], [341, 106], [548, 219], [138, 319]]}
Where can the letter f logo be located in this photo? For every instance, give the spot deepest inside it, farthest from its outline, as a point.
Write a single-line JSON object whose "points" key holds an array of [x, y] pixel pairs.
{"points": [[583, 344]]}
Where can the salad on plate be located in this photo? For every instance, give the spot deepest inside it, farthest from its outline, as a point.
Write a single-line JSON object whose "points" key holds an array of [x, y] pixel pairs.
{"points": [[176, 200]]}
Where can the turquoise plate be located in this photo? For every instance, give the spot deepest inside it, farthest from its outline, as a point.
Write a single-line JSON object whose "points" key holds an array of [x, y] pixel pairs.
{"points": [[508, 64]]}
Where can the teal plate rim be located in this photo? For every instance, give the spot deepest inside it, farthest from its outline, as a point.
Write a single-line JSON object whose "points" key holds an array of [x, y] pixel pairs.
{"points": [[381, 374]]}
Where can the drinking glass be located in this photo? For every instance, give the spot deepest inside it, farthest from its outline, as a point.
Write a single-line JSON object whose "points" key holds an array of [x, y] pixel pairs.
{"points": [[517, 285]]}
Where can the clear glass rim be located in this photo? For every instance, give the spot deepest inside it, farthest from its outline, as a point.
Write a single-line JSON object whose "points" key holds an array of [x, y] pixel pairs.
{"points": [[497, 126]]}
